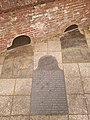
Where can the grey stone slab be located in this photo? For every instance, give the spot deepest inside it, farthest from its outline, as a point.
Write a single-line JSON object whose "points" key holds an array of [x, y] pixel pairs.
{"points": [[7, 69], [19, 118], [71, 70], [78, 117], [39, 117], [23, 86], [1, 66], [88, 102], [4, 118], [2, 57], [74, 85], [77, 104], [54, 46], [86, 84], [21, 105], [89, 117], [59, 117], [48, 88], [53, 117], [7, 86], [5, 105], [40, 46], [84, 69]]}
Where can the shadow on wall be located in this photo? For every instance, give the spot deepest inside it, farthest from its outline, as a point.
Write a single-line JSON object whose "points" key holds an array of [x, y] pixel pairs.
{"points": [[48, 88], [20, 41]]}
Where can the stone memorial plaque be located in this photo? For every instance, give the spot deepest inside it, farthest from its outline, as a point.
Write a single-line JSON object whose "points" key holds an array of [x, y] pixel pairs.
{"points": [[48, 88]]}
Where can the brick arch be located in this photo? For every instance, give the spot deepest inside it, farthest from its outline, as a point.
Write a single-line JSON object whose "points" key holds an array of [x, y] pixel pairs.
{"points": [[19, 41]]}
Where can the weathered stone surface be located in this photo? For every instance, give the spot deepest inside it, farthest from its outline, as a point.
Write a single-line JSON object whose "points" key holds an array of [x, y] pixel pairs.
{"points": [[48, 88], [78, 117], [23, 86], [2, 57], [18, 63], [39, 117], [73, 86], [40, 47], [89, 117], [77, 104], [19, 118], [1, 69], [4, 118], [88, 102], [7, 86], [57, 55], [71, 70], [85, 69], [59, 117], [21, 105], [37, 56], [86, 84], [5, 105], [73, 39], [54, 46]]}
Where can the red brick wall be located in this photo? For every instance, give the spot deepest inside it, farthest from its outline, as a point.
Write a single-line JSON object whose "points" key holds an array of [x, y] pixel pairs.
{"points": [[42, 21]]}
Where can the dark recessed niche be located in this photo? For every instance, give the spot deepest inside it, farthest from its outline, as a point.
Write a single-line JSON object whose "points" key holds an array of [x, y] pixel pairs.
{"points": [[20, 41], [71, 27]]}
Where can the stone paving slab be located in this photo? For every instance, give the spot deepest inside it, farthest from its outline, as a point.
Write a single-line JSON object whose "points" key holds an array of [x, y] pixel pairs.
{"points": [[74, 86], [48, 117], [84, 69], [4, 118], [5, 105], [7, 86], [89, 117], [71, 70], [40, 46], [39, 117], [77, 104], [23, 86], [86, 84], [19, 118], [76, 55], [48, 88], [1, 69], [88, 102], [54, 46], [59, 117], [2, 57], [21, 105], [78, 117]]}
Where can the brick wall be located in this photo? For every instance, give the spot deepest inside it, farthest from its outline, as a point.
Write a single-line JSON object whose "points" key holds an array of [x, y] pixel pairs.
{"points": [[43, 20]]}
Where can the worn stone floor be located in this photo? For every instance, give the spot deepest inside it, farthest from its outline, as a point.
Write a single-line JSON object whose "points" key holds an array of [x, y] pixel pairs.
{"points": [[15, 88]]}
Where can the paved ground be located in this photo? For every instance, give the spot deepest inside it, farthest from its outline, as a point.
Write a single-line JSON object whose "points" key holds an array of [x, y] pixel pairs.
{"points": [[15, 92]]}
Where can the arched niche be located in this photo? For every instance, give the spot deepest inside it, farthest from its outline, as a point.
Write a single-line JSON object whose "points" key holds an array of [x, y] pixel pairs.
{"points": [[20, 41], [71, 27]]}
